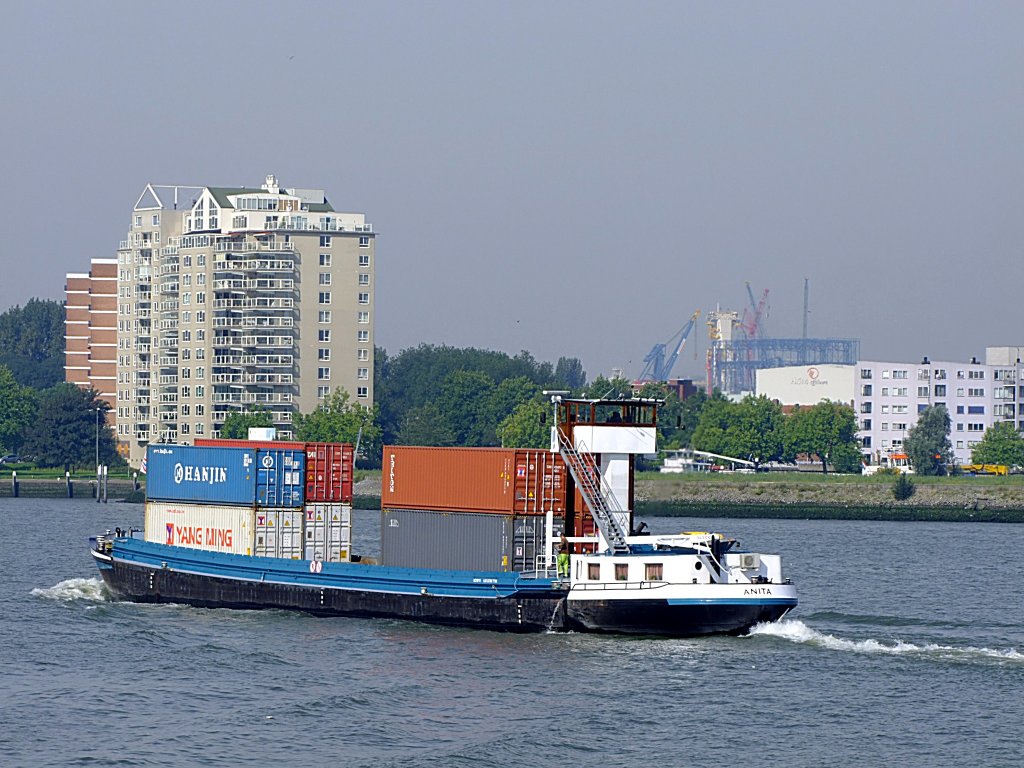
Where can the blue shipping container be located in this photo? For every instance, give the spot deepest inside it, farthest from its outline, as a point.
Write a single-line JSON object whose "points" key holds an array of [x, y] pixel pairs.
{"points": [[201, 474], [280, 477]]}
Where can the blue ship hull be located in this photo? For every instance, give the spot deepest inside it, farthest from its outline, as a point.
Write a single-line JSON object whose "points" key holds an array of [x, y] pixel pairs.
{"points": [[155, 573]]}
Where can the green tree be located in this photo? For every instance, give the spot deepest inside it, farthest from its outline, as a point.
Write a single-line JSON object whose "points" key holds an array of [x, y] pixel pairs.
{"points": [[927, 444], [336, 420], [237, 424], [751, 429], [1002, 444], [64, 433], [464, 400], [569, 373], [426, 425], [32, 343], [17, 410], [826, 430], [528, 426]]}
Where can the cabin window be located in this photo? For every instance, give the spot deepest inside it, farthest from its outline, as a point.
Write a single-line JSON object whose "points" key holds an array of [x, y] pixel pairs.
{"points": [[594, 571], [654, 572], [621, 571]]}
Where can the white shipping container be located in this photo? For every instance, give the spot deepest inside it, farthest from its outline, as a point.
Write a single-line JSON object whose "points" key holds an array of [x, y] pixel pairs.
{"points": [[329, 532], [200, 526], [279, 533]]}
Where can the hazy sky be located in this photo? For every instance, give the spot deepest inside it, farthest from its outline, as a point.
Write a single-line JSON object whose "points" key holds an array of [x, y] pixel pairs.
{"points": [[567, 178]]}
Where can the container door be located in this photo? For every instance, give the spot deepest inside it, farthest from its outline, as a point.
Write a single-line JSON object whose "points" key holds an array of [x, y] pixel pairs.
{"points": [[316, 532], [290, 534], [339, 532]]}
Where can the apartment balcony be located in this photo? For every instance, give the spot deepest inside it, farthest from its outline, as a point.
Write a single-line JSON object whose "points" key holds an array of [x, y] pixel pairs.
{"points": [[252, 246], [273, 361], [168, 379], [167, 361], [171, 343], [245, 398], [168, 288], [258, 284], [259, 302], [254, 322], [269, 379], [251, 264], [168, 397], [240, 342]]}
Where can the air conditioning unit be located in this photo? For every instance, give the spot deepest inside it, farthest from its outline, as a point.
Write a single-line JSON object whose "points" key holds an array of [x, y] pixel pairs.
{"points": [[750, 561]]}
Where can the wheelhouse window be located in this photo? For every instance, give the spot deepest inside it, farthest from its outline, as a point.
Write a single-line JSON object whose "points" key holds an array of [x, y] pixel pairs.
{"points": [[654, 572], [622, 571], [594, 571]]}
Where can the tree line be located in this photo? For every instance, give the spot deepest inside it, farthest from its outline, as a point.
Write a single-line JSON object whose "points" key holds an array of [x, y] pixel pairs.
{"points": [[449, 396]]}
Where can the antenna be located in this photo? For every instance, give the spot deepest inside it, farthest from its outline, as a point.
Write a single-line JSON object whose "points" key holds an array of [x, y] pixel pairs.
{"points": [[806, 310]]}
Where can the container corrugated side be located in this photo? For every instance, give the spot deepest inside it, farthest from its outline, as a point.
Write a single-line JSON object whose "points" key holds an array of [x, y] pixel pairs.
{"points": [[279, 533], [328, 531], [224, 442], [280, 477], [189, 473], [329, 472], [200, 526], [447, 540], [494, 480]]}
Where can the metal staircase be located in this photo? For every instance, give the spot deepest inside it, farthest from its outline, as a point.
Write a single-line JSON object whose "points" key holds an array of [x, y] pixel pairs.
{"points": [[588, 479]]}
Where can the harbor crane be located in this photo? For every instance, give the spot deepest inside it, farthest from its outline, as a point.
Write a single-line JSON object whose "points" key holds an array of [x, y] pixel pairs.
{"points": [[658, 367], [752, 317]]}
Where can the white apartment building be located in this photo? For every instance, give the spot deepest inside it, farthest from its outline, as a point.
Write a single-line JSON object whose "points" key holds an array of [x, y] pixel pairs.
{"points": [[887, 397], [231, 298]]}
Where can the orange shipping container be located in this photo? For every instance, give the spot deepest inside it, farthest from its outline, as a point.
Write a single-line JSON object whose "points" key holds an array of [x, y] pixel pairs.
{"points": [[497, 480]]}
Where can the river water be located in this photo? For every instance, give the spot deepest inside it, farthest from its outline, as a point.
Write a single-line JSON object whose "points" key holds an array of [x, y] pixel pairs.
{"points": [[907, 650]]}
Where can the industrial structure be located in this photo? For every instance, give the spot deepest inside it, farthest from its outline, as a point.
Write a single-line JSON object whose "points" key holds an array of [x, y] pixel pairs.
{"points": [[227, 299], [658, 367], [739, 348]]}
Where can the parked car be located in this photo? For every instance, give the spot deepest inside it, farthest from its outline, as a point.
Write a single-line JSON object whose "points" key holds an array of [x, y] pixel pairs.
{"points": [[11, 458]]}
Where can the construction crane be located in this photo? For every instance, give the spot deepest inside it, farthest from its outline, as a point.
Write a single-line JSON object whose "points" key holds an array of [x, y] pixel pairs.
{"points": [[752, 317], [658, 366]]}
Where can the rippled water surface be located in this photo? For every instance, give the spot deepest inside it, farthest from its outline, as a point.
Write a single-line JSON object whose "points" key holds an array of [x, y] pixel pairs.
{"points": [[907, 650]]}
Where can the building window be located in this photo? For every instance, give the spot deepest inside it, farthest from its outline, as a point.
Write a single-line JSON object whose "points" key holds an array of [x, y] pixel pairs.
{"points": [[621, 571], [325, 241], [899, 374], [364, 259], [594, 571], [200, 372], [362, 392], [325, 259], [200, 390], [866, 441], [364, 241], [363, 317], [138, 221], [975, 392], [364, 298], [200, 353], [323, 353], [324, 316], [975, 427], [362, 354], [323, 374], [363, 337], [186, 354], [200, 428], [865, 390], [201, 316], [156, 219], [325, 297], [362, 374], [865, 424], [324, 335], [325, 278], [200, 297], [322, 392], [653, 572], [364, 279], [922, 391], [865, 407], [201, 278], [940, 390], [976, 409], [975, 374], [200, 408]]}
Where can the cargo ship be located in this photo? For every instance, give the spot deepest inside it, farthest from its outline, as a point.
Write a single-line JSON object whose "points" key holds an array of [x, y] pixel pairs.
{"points": [[522, 540]]}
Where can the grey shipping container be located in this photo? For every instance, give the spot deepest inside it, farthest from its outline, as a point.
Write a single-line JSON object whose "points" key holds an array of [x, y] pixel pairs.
{"points": [[279, 533], [413, 538]]}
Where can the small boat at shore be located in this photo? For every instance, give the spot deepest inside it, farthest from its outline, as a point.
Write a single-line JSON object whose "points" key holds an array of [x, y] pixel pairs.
{"points": [[505, 539]]}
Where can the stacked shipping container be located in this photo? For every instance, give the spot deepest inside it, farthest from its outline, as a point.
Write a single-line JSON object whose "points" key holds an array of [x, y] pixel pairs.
{"points": [[252, 497], [470, 508]]}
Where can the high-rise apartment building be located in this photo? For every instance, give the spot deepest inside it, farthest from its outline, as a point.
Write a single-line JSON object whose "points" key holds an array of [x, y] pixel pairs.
{"points": [[234, 298], [90, 329]]}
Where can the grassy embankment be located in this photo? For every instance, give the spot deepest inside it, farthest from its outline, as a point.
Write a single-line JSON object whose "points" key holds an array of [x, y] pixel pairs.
{"points": [[810, 495], [799, 495]]}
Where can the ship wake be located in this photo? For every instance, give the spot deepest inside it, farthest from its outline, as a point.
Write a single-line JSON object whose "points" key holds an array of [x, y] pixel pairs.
{"points": [[797, 632], [70, 590]]}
